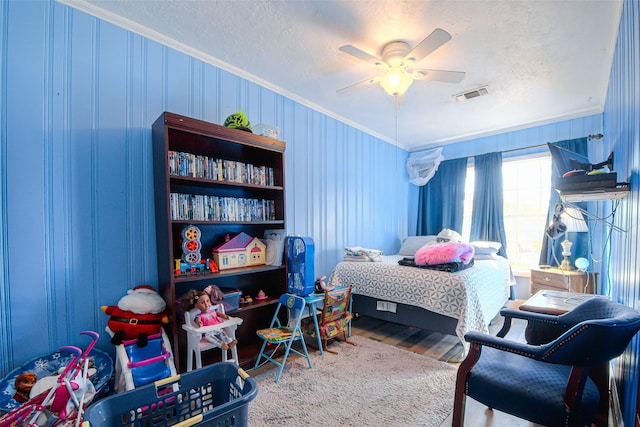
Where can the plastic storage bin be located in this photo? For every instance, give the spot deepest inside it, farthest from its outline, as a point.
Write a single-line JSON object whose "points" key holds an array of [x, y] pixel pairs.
{"points": [[231, 299], [216, 395]]}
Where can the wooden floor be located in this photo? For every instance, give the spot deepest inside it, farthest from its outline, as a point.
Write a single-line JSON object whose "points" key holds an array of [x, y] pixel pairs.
{"points": [[448, 349]]}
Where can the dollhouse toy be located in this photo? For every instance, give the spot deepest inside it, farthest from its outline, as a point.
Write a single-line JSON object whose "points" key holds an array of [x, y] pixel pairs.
{"points": [[241, 250]]}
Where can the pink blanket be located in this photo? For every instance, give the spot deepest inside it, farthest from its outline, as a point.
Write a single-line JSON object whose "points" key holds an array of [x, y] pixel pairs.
{"points": [[443, 253]]}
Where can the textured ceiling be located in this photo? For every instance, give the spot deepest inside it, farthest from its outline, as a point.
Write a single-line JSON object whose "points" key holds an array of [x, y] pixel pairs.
{"points": [[542, 61]]}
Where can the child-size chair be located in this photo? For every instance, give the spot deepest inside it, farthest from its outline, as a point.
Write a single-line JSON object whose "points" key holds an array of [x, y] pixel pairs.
{"points": [[284, 334], [196, 342], [137, 366], [334, 319]]}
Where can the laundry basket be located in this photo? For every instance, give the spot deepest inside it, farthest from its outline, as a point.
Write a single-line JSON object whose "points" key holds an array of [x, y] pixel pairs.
{"points": [[217, 394]]}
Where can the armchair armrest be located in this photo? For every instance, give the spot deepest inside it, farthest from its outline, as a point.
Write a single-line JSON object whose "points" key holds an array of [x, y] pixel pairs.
{"points": [[523, 349], [509, 314], [529, 316]]}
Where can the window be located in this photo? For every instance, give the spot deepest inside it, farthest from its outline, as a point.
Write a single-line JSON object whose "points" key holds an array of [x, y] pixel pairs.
{"points": [[526, 186]]}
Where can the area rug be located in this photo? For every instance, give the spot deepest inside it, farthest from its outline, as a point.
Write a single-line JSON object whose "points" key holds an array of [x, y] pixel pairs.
{"points": [[371, 384]]}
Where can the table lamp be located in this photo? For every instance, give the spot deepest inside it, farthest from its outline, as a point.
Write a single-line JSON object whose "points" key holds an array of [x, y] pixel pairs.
{"points": [[574, 221]]}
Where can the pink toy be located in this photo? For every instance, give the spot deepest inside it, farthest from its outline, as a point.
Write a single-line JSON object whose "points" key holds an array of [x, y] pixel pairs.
{"points": [[443, 253]]}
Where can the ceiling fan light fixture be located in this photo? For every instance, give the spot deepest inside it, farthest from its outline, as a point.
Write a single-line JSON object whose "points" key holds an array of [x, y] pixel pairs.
{"points": [[396, 81]]}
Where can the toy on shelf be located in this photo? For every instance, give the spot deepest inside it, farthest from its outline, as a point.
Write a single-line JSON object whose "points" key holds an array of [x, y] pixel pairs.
{"points": [[239, 251], [191, 245], [138, 315], [238, 120], [205, 311], [205, 266]]}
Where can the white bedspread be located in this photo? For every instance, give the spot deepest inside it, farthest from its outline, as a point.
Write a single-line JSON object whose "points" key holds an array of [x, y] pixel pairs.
{"points": [[473, 296]]}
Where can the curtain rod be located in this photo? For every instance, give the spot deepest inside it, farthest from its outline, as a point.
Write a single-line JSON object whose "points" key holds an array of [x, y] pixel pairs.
{"points": [[589, 137]]}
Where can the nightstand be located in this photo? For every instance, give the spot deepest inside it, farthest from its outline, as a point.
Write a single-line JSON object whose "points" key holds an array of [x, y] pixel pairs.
{"points": [[555, 279]]}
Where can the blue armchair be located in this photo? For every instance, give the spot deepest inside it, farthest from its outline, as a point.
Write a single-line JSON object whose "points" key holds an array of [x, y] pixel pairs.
{"points": [[547, 384]]}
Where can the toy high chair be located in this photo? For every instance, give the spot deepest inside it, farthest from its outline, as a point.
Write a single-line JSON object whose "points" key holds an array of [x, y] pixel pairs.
{"points": [[137, 366], [197, 343]]}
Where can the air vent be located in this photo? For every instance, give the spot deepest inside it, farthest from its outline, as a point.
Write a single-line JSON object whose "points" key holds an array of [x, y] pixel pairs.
{"points": [[481, 91]]}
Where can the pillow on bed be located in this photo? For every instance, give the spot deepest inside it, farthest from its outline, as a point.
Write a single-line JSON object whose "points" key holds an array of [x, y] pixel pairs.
{"points": [[411, 244], [482, 247]]}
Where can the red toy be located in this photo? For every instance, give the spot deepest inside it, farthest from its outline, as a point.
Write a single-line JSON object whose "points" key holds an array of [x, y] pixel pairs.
{"points": [[138, 314]]}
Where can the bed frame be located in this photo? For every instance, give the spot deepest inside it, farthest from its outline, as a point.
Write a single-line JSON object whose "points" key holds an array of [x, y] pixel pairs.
{"points": [[408, 315]]}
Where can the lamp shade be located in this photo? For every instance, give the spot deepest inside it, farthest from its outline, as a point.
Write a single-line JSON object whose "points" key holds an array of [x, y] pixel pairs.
{"points": [[573, 220], [396, 81]]}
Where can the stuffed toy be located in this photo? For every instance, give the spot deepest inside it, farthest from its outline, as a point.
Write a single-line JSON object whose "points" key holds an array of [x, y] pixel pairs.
{"points": [[321, 286], [238, 120], [23, 385], [138, 314]]}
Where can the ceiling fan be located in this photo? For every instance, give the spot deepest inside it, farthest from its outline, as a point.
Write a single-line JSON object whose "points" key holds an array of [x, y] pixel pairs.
{"points": [[397, 58]]}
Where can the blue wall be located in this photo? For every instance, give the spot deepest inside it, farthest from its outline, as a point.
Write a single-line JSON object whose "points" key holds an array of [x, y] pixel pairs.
{"points": [[622, 127], [77, 230]]}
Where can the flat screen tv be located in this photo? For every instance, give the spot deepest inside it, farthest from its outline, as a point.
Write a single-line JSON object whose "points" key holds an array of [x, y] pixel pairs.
{"points": [[565, 160]]}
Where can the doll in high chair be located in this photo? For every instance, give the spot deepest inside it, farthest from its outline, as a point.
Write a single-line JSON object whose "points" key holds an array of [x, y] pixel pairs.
{"points": [[207, 314]]}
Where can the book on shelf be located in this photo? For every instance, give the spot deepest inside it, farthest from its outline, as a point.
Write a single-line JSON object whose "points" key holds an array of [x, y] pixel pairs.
{"points": [[198, 166], [202, 207]]}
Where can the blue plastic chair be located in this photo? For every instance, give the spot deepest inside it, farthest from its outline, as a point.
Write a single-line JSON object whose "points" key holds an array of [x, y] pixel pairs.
{"points": [[284, 335], [136, 366], [547, 384]]}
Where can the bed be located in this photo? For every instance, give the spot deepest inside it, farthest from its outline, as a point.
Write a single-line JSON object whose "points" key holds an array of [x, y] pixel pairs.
{"points": [[450, 303]]}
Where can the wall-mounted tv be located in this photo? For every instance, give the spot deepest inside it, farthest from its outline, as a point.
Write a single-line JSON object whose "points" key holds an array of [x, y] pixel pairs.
{"points": [[566, 160]]}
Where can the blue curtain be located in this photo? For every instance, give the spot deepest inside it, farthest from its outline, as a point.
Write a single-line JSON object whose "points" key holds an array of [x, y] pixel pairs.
{"points": [[442, 198], [487, 221], [551, 250]]}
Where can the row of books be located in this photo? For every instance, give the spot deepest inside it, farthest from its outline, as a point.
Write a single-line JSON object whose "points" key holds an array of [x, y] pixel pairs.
{"points": [[196, 207], [198, 166]]}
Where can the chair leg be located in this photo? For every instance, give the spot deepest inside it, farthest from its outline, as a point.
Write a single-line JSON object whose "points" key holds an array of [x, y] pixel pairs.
{"points": [[306, 352], [326, 346], [344, 335], [458, 409], [264, 344], [459, 398], [190, 360], [284, 360], [198, 358], [346, 339]]}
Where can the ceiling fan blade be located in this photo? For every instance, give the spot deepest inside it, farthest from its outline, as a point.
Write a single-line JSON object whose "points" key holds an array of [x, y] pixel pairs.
{"points": [[432, 42], [361, 55], [439, 75], [359, 84]]}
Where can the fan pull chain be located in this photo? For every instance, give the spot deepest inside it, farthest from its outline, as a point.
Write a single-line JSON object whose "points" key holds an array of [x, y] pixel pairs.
{"points": [[395, 102]]}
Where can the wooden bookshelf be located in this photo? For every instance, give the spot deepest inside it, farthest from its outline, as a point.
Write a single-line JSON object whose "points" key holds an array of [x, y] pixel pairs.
{"points": [[257, 163]]}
